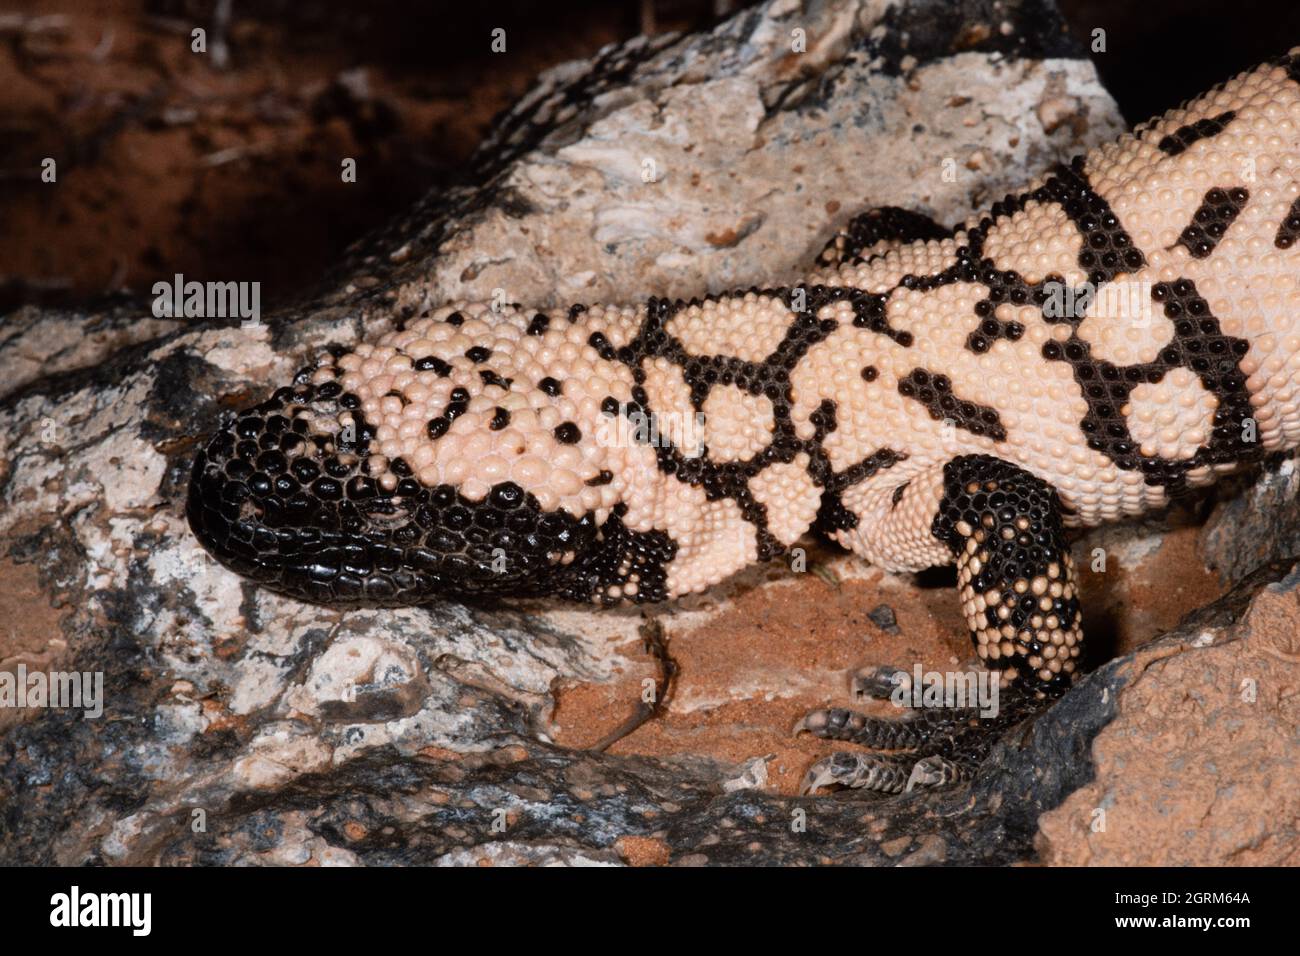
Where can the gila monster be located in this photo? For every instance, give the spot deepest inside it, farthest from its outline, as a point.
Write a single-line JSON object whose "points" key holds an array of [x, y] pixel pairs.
{"points": [[923, 397]]}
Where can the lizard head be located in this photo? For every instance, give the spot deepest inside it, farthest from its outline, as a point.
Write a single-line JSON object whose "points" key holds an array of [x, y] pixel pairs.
{"points": [[292, 494]]}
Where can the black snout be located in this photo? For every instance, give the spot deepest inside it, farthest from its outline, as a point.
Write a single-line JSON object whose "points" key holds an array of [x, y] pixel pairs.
{"points": [[296, 510]]}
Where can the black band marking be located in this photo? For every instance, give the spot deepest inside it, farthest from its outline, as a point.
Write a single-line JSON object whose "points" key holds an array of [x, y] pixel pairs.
{"points": [[934, 391], [1288, 231], [1199, 344], [1217, 211], [1183, 137]]}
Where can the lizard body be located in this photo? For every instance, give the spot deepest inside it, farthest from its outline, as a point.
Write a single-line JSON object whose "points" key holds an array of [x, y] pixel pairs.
{"points": [[1125, 329]]}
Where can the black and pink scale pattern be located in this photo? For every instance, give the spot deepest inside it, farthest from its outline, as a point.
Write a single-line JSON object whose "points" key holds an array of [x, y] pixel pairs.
{"points": [[920, 397]]}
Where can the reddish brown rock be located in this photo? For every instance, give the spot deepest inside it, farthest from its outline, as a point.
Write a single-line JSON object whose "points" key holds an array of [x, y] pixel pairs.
{"points": [[1199, 767]]}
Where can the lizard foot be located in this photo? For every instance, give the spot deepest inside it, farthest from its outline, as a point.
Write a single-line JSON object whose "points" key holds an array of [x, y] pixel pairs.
{"points": [[884, 773], [927, 746]]}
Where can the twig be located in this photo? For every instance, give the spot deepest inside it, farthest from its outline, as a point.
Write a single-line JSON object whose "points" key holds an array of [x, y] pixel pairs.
{"points": [[656, 644]]}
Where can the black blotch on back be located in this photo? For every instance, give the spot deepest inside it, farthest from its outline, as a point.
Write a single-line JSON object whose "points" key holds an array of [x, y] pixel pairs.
{"points": [[1199, 344], [602, 345], [1210, 222], [1288, 231], [1183, 137], [437, 427], [431, 363], [568, 433], [934, 391], [991, 328]]}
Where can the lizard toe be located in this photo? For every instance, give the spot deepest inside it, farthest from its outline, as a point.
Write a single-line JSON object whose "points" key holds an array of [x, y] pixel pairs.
{"points": [[879, 683], [857, 771]]}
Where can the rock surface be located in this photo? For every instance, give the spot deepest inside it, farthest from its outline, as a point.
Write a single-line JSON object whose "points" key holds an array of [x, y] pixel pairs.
{"points": [[1199, 766], [240, 727]]}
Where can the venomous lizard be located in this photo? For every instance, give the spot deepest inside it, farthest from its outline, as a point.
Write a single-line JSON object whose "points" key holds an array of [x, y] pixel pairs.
{"points": [[923, 397]]}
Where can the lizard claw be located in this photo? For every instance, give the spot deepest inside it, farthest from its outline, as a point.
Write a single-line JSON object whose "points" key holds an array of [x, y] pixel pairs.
{"points": [[811, 722], [829, 771]]}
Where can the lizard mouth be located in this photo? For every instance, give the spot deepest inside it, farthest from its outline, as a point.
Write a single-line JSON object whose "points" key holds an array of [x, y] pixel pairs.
{"points": [[277, 498]]}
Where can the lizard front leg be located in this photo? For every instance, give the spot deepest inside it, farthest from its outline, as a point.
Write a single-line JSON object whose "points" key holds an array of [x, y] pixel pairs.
{"points": [[1002, 527], [1014, 572]]}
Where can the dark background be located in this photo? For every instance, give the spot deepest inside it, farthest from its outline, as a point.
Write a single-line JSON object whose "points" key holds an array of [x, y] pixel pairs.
{"points": [[167, 164]]}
